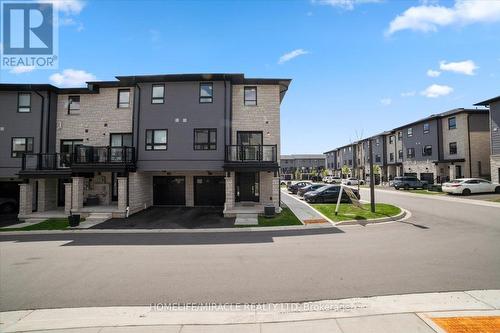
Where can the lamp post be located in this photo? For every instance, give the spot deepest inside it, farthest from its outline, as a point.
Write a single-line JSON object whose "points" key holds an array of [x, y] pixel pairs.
{"points": [[372, 178]]}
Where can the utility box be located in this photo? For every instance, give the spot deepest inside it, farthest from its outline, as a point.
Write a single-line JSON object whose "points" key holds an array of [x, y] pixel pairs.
{"points": [[269, 211]]}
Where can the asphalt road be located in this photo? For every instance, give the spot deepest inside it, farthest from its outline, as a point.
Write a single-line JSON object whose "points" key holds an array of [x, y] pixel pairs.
{"points": [[444, 246]]}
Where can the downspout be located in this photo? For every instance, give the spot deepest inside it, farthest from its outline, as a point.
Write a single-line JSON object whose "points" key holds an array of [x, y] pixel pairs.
{"points": [[470, 154], [225, 113], [41, 119], [47, 144], [138, 120]]}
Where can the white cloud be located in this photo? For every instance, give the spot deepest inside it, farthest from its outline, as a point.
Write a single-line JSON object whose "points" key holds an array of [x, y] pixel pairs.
{"points": [[22, 69], [73, 7], [466, 67], [290, 55], [433, 73], [437, 90], [429, 17], [408, 93], [344, 4], [386, 101], [71, 78]]}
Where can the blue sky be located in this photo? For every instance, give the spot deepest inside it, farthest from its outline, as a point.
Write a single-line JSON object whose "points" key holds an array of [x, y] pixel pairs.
{"points": [[361, 66]]}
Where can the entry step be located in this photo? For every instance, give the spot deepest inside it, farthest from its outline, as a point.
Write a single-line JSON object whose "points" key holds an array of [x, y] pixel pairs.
{"points": [[246, 219]]}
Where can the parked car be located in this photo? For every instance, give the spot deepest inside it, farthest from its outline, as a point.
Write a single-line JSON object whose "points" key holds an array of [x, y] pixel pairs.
{"points": [[336, 180], [8, 205], [328, 193], [293, 188], [466, 186], [407, 182], [352, 181], [309, 188]]}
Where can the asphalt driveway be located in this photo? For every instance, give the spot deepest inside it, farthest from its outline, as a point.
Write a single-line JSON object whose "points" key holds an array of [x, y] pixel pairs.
{"points": [[171, 218]]}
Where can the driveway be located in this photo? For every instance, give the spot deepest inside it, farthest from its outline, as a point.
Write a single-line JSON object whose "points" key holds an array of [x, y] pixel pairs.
{"points": [[8, 220], [171, 218]]}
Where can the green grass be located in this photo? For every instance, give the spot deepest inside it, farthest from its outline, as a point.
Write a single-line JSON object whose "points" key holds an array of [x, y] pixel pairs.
{"points": [[49, 224], [421, 191], [351, 212], [495, 200], [286, 217]]}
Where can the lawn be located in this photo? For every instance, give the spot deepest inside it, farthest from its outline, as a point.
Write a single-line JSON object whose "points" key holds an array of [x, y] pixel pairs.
{"points": [[351, 212], [286, 217], [50, 224]]}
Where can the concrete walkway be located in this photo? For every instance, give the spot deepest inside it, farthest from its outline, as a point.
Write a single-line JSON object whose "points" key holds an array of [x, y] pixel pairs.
{"points": [[398, 313], [302, 210]]}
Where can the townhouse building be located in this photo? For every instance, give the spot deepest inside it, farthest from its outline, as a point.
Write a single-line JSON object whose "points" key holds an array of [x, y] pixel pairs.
{"points": [[305, 164], [331, 161], [494, 105], [346, 157], [363, 157], [165, 140]]}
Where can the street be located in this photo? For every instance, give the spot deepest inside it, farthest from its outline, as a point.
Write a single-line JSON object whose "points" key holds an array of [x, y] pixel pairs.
{"points": [[443, 246]]}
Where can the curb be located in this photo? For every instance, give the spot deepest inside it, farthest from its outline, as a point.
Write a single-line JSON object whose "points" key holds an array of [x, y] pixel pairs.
{"points": [[394, 218]]}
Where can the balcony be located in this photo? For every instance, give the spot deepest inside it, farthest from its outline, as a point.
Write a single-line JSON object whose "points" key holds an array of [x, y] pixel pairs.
{"points": [[48, 164], [251, 157]]}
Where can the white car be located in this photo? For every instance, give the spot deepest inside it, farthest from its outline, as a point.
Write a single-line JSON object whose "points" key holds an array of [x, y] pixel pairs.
{"points": [[352, 181], [336, 180], [467, 186]]}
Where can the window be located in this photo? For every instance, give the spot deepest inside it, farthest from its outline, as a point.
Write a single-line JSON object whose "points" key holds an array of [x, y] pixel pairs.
{"points": [[205, 139], [158, 94], [452, 123], [391, 157], [400, 135], [73, 104], [377, 141], [453, 148], [391, 139], [410, 132], [251, 96], [427, 128], [123, 98], [427, 150], [24, 102], [20, 146], [121, 140], [156, 139], [206, 92], [377, 158], [350, 162], [410, 152]]}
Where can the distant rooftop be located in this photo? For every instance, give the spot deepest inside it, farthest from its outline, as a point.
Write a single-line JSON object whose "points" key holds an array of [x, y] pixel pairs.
{"points": [[302, 157]]}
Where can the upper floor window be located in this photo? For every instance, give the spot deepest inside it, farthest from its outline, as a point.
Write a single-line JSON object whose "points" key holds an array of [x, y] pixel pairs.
{"points": [[73, 104], [400, 135], [410, 132], [350, 148], [121, 139], [156, 139], [391, 139], [391, 157], [452, 123], [400, 155], [24, 102], [453, 148], [205, 139], [124, 98], [251, 96], [377, 141], [158, 94], [21, 146], [350, 162], [377, 158], [427, 128], [410, 152], [427, 150], [206, 92]]}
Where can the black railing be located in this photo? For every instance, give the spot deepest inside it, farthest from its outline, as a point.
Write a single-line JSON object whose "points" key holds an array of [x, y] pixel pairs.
{"points": [[44, 161], [251, 153], [103, 155]]}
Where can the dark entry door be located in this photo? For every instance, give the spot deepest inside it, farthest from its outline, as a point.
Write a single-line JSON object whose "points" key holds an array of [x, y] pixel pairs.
{"points": [[61, 196], [458, 171], [246, 187], [169, 191], [209, 191]]}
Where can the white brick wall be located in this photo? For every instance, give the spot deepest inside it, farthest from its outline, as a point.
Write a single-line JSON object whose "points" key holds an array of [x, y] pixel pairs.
{"points": [[140, 191], [495, 167]]}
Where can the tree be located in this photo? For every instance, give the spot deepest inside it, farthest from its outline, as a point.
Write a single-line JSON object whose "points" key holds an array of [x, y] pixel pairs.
{"points": [[376, 169], [345, 170], [297, 174]]}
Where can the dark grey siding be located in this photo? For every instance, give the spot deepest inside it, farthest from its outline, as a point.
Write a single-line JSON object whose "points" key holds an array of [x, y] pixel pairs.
{"points": [[378, 149], [331, 160], [420, 139], [345, 156], [182, 102], [495, 127]]}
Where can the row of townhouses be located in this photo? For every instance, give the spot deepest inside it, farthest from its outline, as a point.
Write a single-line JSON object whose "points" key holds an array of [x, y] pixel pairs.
{"points": [[302, 166], [124, 145], [453, 144]]}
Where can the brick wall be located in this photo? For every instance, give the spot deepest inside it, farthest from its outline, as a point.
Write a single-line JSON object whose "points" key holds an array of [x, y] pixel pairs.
{"points": [[495, 167], [140, 191], [480, 152]]}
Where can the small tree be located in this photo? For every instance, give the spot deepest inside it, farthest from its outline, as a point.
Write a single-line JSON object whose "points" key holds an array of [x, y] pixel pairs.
{"points": [[345, 170], [297, 174], [324, 172], [376, 169]]}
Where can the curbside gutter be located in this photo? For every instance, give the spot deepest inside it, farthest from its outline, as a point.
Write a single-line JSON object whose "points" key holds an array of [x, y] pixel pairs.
{"points": [[394, 218]]}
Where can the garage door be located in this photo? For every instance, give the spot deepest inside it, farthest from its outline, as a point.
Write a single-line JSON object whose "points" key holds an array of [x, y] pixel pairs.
{"points": [[209, 191], [169, 191], [428, 177]]}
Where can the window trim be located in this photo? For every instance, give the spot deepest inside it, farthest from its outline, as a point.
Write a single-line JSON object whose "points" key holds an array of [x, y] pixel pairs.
{"points": [[25, 144], [118, 99], [391, 157], [449, 148], [69, 104], [207, 143], [122, 134], [158, 98], [408, 132], [454, 126], [201, 97], [428, 129], [407, 152], [245, 88], [153, 139], [19, 99], [423, 150]]}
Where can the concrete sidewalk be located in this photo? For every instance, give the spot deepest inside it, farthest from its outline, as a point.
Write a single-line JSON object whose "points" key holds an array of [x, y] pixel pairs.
{"points": [[302, 210], [400, 313]]}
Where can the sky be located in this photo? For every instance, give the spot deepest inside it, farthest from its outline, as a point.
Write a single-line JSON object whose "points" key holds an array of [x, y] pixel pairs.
{"points": [[358, 67]]}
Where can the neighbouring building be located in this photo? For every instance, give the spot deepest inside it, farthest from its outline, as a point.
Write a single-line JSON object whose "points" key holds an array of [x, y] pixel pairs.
{"points": [[494, 105], [363, 157], [303, 165], [331, 161], [346, 158], [166, 140]]}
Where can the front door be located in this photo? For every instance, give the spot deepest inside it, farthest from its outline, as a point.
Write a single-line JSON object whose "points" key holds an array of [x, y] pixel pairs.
{"points": [[458, 171], [246, 187], [114, 186]]}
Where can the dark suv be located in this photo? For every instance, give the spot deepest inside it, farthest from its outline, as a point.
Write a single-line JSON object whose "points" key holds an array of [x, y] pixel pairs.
{"points": [[293, 188], [407, 182]]}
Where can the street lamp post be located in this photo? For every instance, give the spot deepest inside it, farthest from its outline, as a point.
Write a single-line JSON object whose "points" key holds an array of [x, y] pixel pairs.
{"points": [[372, 178]]}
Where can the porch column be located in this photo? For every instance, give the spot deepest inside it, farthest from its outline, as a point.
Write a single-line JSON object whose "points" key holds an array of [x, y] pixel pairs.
{"points": [[189, 191], [452, 171], [47, 198], [229, 204], [398, 169], [25, 199], [122, 193], [68, 187], [77, 193], [276, 193]]}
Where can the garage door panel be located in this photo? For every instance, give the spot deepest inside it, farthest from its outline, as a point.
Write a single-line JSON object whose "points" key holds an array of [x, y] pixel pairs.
{"points": [[209, 191], [169, 191]]}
